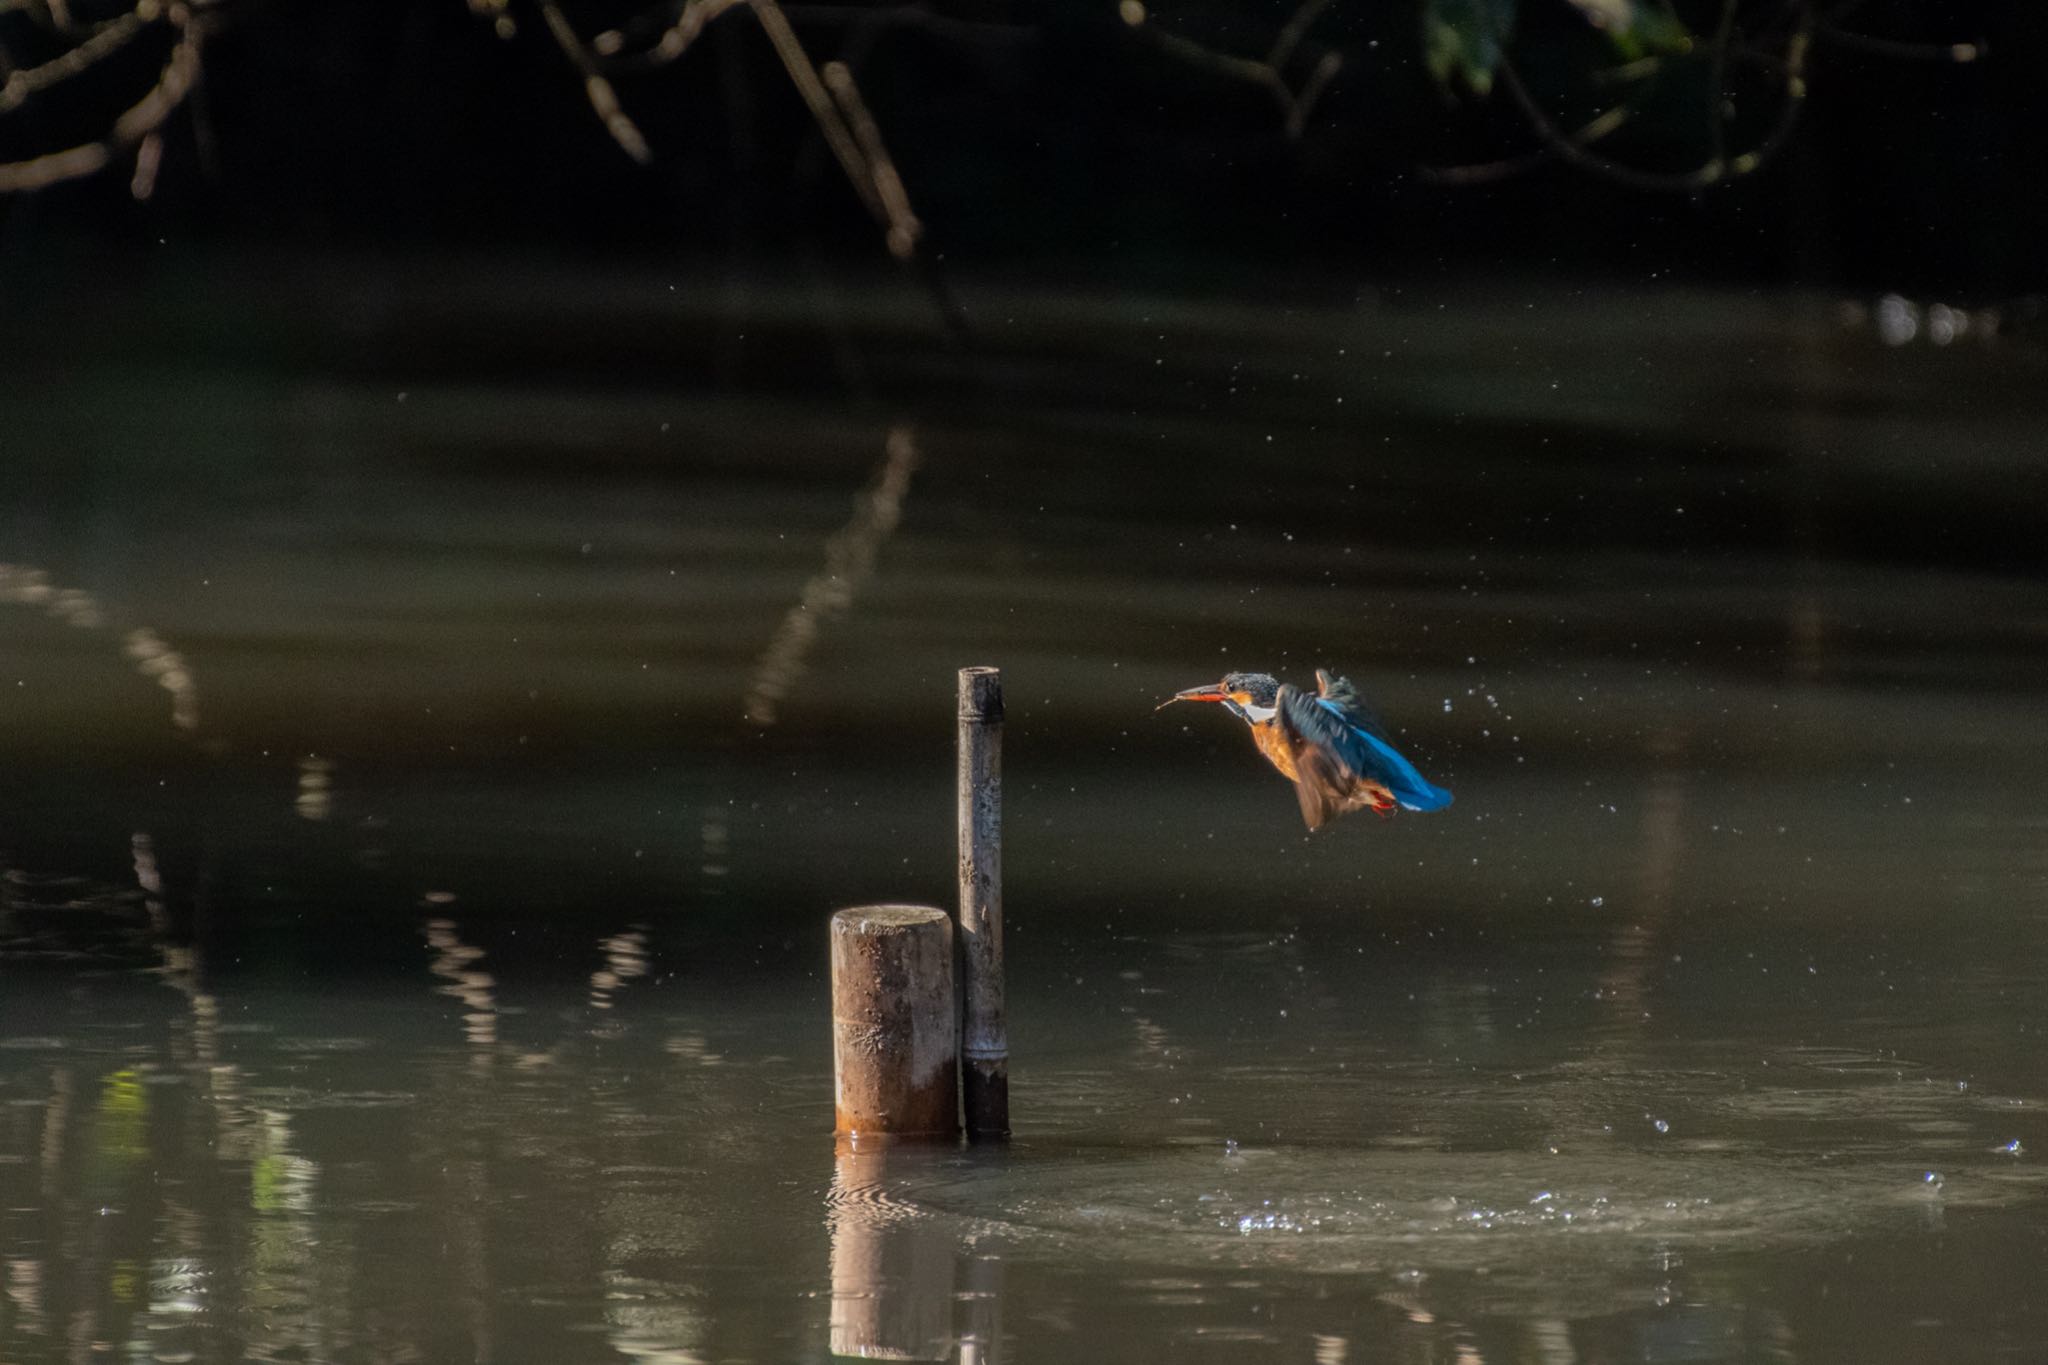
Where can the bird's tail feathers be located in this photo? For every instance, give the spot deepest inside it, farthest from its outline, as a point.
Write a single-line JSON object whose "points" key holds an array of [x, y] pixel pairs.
{"points": [[1423, 796]]}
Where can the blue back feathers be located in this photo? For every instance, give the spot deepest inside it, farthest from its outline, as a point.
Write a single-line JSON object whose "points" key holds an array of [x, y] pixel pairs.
{"points": [[1340, 722]]}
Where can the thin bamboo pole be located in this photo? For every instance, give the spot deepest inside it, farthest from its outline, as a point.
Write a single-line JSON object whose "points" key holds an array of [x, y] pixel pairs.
{"points": [[984, 1034]]}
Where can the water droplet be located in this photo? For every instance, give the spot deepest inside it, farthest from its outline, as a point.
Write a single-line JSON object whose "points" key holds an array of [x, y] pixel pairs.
{"points": [[1660, 1125]]}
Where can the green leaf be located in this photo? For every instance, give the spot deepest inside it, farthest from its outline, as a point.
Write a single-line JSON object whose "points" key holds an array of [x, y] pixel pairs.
{"points": [[1614, 15], [1466, 39], [1658, 28], [1637, 28]]}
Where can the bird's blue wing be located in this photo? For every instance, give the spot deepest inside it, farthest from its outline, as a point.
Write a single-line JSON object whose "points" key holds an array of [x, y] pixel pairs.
{"points": [[1321, 721], [1349, 702]]}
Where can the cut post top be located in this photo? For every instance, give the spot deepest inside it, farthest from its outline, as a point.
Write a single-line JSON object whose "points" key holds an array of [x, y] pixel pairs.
{"points": [[981, 694], [869, 919]]}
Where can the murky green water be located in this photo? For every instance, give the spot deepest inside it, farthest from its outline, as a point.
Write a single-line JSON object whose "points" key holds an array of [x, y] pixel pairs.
{"points": [[437, 715]]}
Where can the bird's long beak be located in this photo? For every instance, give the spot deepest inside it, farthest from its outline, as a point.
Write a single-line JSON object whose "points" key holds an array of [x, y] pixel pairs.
{"points": [[1213, 692]]}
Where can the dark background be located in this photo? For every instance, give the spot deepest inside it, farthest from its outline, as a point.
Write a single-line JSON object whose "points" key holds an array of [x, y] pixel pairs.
{"points": [[1052, 139]]}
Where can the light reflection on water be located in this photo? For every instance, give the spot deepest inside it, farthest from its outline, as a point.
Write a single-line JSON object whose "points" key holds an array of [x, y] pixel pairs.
{"points": [[258, 1170]]}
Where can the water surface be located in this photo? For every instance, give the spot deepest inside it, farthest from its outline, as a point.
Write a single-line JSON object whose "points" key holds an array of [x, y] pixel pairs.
{"points": [[438, 718]]}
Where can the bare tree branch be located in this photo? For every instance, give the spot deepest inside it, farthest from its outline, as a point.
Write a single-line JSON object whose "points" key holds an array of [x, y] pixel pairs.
{"points": [[672, 41], [598, 90], [1958, 53], [130, 128], [1295, 104], [890, 206], [901, 223], [1487, 172], [1718, 166], [1717, 86], [25, 83]]}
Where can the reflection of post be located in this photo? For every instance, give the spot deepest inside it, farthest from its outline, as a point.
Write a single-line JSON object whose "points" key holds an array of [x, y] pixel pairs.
{"points": [[181, 964], [984, 1036], [56, 1128], [892, 1272], [1663, 849], [981, 1335]]}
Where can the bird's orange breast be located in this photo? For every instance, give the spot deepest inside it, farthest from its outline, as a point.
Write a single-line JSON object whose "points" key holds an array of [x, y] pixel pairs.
{"points": [[1273, 745]]}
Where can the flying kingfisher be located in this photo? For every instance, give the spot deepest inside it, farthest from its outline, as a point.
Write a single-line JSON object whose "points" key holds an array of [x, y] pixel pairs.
{"points": [[1329, 745]]}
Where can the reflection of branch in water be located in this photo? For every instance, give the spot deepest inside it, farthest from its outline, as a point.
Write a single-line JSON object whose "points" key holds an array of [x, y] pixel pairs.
{"points": [[716, 835], [21, 585], [155, 659], [24, 1290], [849, 559], [315, 800], [474, 987], [625, 958]]}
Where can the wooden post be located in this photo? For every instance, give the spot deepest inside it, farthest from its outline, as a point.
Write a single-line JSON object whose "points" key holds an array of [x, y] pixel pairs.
{"points": [[984, 1036], [894, 1045]]}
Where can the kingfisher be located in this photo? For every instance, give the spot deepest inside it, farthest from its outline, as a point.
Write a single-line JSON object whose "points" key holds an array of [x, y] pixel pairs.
{"points": [[1329, 745]]}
